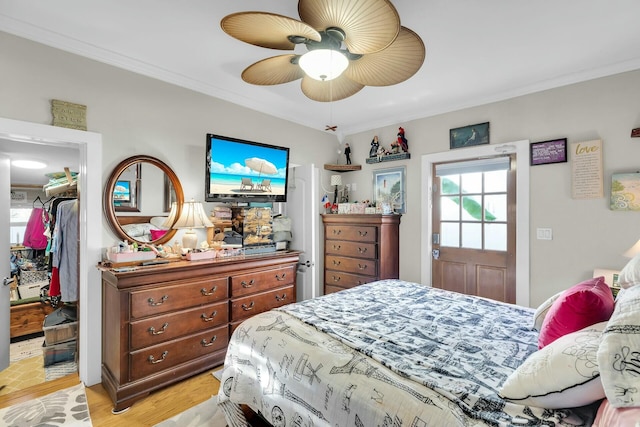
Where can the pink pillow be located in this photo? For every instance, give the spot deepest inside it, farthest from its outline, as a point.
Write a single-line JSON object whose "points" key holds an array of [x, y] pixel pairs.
{"points": [[156, 234], [582, 305], [609, 416]]}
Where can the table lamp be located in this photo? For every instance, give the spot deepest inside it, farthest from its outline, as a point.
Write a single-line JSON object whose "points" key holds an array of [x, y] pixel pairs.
{"points": [[173, 215], [336, 180], [192, 216]]}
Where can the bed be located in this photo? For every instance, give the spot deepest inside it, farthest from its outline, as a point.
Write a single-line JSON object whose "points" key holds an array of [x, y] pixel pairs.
{"points": [[395, 353], [143, 228]]}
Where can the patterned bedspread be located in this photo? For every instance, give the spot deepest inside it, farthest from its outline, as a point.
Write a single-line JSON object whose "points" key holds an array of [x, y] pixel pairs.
{"points": [[389, 353]]}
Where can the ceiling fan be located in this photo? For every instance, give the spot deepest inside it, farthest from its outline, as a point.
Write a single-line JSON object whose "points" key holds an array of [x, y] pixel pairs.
{"points": [[362, 39]]}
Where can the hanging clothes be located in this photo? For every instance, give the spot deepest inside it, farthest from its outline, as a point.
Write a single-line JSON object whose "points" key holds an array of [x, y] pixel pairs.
{"points": [[34, 235], [64, 249]]}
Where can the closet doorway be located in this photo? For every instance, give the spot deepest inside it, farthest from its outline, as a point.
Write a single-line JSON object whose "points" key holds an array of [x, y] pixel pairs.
{"points": [[89, 146], [31, 225]]}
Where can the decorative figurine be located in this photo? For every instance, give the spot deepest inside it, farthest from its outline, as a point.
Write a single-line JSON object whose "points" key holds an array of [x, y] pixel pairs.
{"points": [[373, 152], [404, 144], [347, 153], [381, 152]]}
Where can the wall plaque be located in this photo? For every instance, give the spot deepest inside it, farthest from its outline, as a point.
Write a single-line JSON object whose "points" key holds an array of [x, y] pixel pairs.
{"points": [[69, 115]]}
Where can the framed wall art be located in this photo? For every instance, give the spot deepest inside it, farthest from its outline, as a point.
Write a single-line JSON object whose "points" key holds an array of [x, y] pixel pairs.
{"points": [[625, 191], [469, 136], [389, 187], [546, 152]]}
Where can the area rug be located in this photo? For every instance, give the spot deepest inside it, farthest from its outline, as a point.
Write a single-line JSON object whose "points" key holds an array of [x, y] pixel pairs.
{"points": [[205, 414], [66, 407], [25, 349]]}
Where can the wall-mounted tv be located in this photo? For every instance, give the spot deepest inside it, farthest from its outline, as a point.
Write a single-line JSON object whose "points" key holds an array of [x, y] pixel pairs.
{"points": [[245, 171]]}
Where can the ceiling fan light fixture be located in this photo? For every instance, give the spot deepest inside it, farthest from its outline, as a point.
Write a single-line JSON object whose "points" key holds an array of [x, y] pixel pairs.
{"points": [[323, 64]]}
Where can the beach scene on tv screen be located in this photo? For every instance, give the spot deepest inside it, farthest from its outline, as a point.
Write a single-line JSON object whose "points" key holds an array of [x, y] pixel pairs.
{"points": [[245, 169]]}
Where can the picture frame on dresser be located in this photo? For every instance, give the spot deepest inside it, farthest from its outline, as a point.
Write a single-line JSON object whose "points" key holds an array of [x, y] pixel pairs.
{"points": [[389, 186]]}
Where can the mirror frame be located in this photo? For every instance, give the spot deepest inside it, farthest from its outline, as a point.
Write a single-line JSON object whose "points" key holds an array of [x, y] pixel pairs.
{"points": [[109, 208]]}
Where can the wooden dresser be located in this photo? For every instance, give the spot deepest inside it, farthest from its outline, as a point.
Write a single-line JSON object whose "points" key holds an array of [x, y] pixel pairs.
{"points": [[359, 249], [162, 324]]}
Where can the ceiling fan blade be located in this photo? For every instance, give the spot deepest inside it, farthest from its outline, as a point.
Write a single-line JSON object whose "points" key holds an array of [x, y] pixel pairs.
{"points": [[391, 66], [369, 25], [332, 90], [273, 71], [266, 29]]}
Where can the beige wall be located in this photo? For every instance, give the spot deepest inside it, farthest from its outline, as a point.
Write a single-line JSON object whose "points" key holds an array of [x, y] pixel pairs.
{"points": [[137, 115], [586, 233]]}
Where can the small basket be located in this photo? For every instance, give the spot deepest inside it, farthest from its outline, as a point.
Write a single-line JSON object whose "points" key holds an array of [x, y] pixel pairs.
{"points": [[28, 277], [32, 290]]}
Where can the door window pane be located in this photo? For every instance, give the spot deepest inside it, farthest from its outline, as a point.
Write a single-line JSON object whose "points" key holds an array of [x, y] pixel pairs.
{"points": [[472, 208], [472, 235], [450, 208], [450, 234], [495, 207], [495, 237], [495, 182], [450, 184], [471, 182]]}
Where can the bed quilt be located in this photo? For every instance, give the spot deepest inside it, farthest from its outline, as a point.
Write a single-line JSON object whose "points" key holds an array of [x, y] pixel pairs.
{"points": [[389, 353]]}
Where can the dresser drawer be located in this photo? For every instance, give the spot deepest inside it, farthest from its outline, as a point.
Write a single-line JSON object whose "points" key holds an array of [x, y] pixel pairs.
{"points": [[345, 280], [158, 329], [176, 297], [358, 233], [244, 284], [367, 267], [351, 249], [160, 357], [264, 301]]}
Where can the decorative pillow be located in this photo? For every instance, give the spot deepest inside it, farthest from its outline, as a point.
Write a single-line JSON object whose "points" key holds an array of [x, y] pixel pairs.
{"points": [[136, 230], [608, 416], [619, 353], [563, 374], [542, 310], [630, 274], [584, 304], [156, 234]]}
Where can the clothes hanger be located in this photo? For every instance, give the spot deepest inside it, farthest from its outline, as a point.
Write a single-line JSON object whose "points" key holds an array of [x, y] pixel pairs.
{"points": [[37, 199]]}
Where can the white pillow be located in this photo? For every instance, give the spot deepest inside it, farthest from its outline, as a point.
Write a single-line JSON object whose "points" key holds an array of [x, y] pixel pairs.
{"points": [[630, 274], [619, 352], [563, 374], [158, 221], [542, 310]]}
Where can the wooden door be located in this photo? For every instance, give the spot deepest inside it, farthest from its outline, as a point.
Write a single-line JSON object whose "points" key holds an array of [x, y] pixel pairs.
{"points": [[474, 233]]}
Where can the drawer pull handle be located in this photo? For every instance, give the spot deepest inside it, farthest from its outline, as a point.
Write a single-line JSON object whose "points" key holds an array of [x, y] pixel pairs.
{"points": [[336, 278], [336, 262], [162, 300], [337, 232], [362, 267], [336, 247], [248, 307], [209, 319], [362, 250], [281, 298], [248, 285], [153, 331], [280, 277], [206, 293], [153, 359], [363, 233], [204, 342]]}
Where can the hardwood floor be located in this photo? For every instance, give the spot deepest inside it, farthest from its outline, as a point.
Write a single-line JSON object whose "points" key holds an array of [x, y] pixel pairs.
{"points": [[157, 407]]}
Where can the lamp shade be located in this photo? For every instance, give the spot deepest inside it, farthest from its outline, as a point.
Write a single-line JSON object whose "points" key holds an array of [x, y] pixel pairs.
{"points": [[192, 216], [336, 180], [323, 64]]}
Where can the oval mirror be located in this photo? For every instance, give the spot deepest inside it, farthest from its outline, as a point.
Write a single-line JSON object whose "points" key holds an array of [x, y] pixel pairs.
{"points": [[137, 195]]}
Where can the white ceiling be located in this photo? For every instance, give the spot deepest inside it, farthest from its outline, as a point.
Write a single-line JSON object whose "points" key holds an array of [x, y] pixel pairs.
{"points": [[477, 51]]}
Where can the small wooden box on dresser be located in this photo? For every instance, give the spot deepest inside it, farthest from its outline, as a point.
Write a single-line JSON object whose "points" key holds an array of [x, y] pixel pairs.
{"points": [[164, 323], [360, 249]]}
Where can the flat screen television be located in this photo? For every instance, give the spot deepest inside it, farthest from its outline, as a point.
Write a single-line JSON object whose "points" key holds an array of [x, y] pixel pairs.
{"points": [[238, 170]]}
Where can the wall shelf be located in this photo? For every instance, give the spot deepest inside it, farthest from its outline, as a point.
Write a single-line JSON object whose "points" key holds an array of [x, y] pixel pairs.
{"points": [[342, 168], [389, 158]]}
